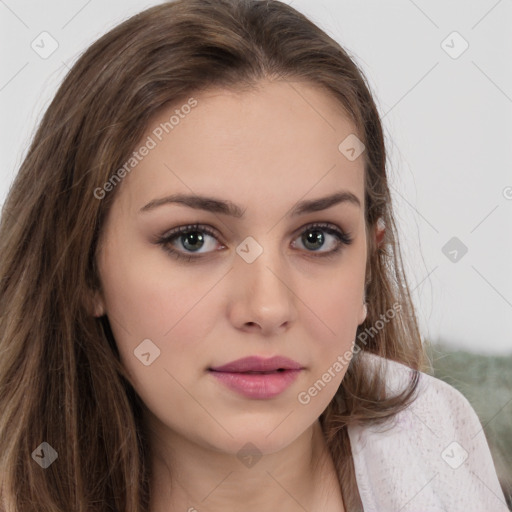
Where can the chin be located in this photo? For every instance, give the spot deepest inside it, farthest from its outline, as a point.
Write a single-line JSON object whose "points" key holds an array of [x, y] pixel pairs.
{"points": [[263, 438]]}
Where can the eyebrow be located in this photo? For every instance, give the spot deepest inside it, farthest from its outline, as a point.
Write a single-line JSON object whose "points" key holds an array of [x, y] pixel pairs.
{"points": [[214, 205]]}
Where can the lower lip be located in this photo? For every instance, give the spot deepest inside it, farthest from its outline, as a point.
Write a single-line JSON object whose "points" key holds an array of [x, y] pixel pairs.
{"points": [[258, 385]]}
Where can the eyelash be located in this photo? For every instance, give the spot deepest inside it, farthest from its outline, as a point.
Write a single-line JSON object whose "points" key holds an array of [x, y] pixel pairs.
{"points": [[343, 239]]}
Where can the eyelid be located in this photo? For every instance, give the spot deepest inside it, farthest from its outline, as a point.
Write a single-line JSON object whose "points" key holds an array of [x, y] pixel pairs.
{"points": [[344, 237], [189, 228]]}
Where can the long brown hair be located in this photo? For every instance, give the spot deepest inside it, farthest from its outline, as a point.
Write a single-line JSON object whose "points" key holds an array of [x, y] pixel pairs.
{"points": [[61, 380]]}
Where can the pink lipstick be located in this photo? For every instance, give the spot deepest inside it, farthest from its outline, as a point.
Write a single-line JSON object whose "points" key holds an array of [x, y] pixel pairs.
{"points": [[257, 377]]}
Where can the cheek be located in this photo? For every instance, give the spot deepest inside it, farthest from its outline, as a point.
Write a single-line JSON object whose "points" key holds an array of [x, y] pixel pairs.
{"points": [[144, 298], [165, 325], [331, 330], [174, 311], [331, 320], [334, 303]]}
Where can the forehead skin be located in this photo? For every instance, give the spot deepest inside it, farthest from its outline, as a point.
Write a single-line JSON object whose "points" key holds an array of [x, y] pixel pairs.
{"points": [[244, 146]]}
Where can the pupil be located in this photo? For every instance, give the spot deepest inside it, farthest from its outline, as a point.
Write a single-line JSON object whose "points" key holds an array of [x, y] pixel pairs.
{"points": [[194, 237], [314, 235]]}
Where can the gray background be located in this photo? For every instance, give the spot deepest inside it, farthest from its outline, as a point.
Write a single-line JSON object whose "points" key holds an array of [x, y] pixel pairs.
{"points": [[447, 122]]}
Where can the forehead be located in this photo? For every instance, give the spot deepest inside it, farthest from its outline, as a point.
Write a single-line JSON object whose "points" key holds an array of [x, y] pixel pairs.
{"points": [[276, 143]]}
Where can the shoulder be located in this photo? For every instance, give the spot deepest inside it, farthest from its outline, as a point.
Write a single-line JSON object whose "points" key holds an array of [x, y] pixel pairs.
{"points": [[432, 456]]}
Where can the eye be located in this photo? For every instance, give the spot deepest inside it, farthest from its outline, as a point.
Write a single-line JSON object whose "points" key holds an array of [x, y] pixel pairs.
{"points": [[313, 238], [185, 241], [191, 238]]}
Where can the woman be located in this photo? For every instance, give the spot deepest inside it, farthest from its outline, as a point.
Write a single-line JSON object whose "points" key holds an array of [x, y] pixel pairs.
{"points": [[203, 302]]}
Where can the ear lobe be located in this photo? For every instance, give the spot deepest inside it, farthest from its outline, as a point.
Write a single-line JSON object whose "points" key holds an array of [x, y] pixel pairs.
{"points": [[380, 230], [95, 305], [364, 313]]}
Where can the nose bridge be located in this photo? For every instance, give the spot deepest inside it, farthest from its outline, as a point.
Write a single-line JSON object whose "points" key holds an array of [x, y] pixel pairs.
{"points": [[262, 265], [262, 281]]}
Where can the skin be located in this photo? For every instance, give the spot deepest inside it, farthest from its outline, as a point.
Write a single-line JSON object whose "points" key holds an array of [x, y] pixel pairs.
{"points": [[263, 150]]}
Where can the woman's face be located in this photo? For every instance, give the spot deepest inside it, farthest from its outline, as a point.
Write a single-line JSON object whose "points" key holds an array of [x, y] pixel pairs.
{"points": [[263, 282]]}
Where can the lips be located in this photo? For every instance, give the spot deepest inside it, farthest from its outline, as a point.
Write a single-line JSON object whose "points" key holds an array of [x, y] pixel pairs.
{"points": [[256, 377], [257, 364]]}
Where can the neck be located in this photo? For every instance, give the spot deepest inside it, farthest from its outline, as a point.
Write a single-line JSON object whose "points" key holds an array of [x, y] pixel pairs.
{"points": [[192, 477]]}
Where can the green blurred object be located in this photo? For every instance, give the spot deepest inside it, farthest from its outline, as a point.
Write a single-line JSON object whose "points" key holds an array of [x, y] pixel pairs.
{"points": [[486, 381]]}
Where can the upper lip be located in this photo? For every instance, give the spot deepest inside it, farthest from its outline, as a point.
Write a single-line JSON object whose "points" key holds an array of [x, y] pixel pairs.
{"points": [[258, 364]]}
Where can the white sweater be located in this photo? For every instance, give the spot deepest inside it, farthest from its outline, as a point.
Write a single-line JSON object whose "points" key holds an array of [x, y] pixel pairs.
{"points": [[432, 457]]}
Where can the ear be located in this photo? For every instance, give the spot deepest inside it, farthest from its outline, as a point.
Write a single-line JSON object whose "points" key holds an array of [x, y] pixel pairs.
{"points": [[98, 305], [380, 230], [95, 303], [363, 313]]}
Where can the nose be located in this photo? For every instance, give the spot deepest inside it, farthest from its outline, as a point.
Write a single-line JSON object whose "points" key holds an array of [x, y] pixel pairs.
{"points": [[262, 299]]}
